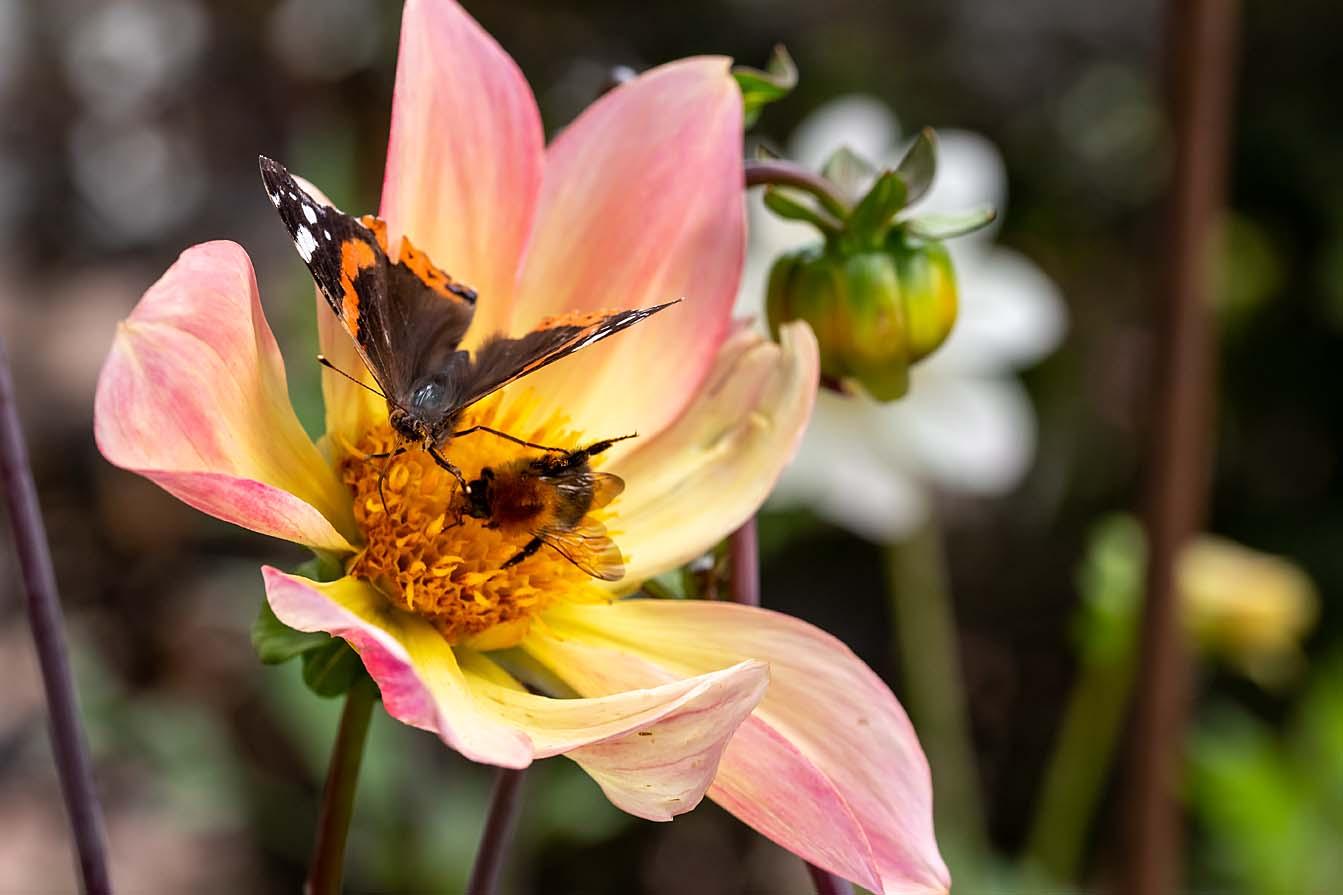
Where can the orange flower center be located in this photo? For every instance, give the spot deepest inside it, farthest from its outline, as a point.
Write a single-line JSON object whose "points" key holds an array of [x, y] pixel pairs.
{"points": [[431, 558]]}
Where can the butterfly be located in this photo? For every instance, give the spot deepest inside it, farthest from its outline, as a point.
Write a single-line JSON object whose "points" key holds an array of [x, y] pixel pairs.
{"points": [[407, 319]]}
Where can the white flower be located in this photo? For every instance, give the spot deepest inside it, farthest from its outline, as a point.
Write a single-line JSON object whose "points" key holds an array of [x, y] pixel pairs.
{"points": [[966, 425]]}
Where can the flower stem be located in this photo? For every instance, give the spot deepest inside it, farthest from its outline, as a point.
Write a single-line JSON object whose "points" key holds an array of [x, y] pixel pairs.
{"points": [[44, 616], [1201, 52], [498, 832], [828, 883], [744, 554], [1079, 766], [744, 550], [333, 820], [781, 172], [925, 630]]}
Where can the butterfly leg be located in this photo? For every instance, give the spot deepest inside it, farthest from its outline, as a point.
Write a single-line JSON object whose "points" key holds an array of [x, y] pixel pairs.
{"points": [[507, 437], [447, 464], [383, 455], [528, 549]]}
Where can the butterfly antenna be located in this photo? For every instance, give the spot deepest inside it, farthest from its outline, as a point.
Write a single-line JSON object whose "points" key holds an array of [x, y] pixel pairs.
{"points": [[324, 361]]}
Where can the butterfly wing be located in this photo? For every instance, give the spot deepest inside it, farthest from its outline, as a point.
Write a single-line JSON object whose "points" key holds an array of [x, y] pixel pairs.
{"points": [[587, 546], [501, 360], [406, 317]]}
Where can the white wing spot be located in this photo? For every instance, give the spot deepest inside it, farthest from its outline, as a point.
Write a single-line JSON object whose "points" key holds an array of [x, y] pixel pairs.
{"points": [[306, 244], [326, 233], [310, 214]]}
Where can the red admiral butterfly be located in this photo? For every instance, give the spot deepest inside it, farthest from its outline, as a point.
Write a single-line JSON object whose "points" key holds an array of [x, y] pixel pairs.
{"points": [[407, 319]]}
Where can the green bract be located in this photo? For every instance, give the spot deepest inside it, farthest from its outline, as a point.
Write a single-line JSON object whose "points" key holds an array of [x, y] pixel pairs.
{"points": [[760, 88], [879, 290]]}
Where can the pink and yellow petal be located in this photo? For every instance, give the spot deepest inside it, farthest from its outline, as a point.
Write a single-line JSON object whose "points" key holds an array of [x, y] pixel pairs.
{"points": [[827, 727], [415, 669], [652, 749], [641, 204], [465, 159], [713, 466], [193, 396]]}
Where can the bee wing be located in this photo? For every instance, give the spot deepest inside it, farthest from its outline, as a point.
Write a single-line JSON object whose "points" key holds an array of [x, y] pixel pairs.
{"points": [[606, 487], [588, 547]]}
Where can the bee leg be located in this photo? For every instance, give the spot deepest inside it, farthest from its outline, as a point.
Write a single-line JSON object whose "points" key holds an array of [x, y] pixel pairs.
{"points": [[447, 464], [507, 437], [530, 548]]}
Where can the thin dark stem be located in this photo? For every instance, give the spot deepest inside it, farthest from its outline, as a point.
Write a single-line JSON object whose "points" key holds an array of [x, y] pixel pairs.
{"points": [[342, 779], [498, 832], [828, 883], [744, 555], [44, 616], [780, 172], [1201, 53]]}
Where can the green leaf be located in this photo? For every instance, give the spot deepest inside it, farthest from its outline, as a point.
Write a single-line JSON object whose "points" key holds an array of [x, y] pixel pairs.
{"points": [[918, 166], [951, 224], [872, 216], [276, 642], [331, 669], [760, 88], [789, 204]]}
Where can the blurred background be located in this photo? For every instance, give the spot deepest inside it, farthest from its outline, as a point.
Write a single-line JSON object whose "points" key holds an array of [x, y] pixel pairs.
{"points": [[989, 573]]}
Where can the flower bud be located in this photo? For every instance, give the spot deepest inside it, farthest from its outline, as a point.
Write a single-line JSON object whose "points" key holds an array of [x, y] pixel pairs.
{"points": [[875, 310]]}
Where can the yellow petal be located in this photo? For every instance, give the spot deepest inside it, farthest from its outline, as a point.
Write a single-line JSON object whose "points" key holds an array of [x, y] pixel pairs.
{"points": [[713, 466]]}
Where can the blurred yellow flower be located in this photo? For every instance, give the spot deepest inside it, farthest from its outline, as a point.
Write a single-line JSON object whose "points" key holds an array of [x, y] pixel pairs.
{"points": [[1250, 608]]}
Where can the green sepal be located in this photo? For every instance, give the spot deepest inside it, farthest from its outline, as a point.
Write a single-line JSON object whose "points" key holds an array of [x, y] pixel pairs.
{"points": [[789, 205], [918, 166], [849, 171], [275, 642], [760, 88], [951, 224], [331, 669], [330, 666], [872, 216]]}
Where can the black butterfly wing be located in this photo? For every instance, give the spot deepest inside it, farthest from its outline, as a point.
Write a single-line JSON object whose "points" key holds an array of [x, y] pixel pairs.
{"points": [[500, 360], [406, 317]]}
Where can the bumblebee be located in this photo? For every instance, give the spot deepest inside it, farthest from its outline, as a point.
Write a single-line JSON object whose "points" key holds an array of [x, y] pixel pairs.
{"points": [[549, 498]]}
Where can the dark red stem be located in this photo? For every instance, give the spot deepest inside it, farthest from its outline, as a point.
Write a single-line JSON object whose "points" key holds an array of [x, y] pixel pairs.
{"points": [[1201, 53], [44, 616], [744, 559], [744, 556], [498, 833], [781, 172]]}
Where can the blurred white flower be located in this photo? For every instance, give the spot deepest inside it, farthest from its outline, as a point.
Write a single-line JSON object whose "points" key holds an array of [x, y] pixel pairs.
{"points": [[966, 425]]}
